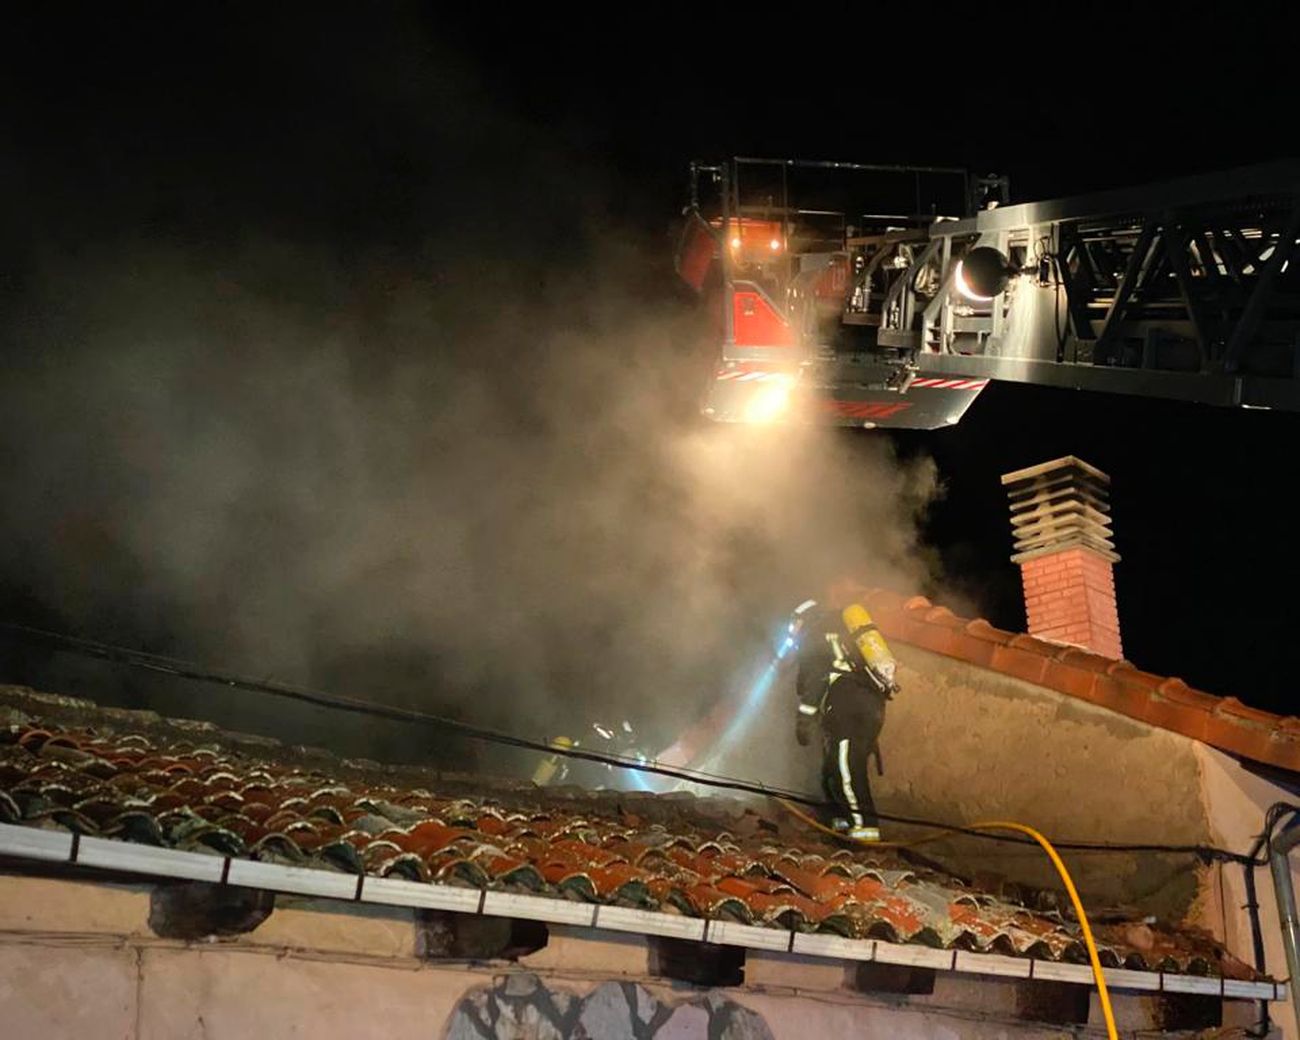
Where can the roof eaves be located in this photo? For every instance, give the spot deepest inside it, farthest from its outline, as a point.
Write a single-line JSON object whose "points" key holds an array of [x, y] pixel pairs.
{"points": [[106, 854]]}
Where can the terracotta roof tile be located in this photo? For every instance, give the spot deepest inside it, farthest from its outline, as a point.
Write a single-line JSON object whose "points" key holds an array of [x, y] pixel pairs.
{"points": [[1177, 690], [1078, 682], [944, 616], [1171, 714], [1232, 706], [981, 629], [142, 789], [1222, 722], [1019, 661], [1141, 678]]}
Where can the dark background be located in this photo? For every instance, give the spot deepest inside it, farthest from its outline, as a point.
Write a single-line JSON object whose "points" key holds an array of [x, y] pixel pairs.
{"points": [[359, 131]]}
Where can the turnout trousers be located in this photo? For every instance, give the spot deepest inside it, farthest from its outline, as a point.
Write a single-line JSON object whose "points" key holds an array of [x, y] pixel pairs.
{"points": [[852, 719]]}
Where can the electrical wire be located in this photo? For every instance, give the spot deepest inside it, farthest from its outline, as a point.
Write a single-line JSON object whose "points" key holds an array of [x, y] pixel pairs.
{"points": [[194, 672], [973, 830], [1264, 840], [819, 826], [188, 670], [1211, 853]]}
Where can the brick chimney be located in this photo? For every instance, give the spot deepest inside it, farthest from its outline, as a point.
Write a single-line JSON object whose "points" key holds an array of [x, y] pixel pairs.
{"points": [[1061, 526]]}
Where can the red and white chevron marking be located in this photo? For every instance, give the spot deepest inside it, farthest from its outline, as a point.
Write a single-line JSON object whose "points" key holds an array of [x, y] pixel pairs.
{"points": [[940, 383], [741, 376]]}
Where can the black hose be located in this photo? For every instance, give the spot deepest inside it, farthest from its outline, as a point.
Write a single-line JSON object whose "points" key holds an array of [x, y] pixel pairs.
{"points": [[1253, 862]]}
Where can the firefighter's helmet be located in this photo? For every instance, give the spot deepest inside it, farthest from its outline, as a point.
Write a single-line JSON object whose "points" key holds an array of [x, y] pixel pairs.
{"points": [[799, 619]]}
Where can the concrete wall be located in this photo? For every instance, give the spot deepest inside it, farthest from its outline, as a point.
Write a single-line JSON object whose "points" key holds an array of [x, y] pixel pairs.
{"points": [[963, 744], [77, 960]]}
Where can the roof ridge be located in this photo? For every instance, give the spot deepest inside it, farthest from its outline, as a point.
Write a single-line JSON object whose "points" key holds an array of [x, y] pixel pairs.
{"points": [[1166, 702]]}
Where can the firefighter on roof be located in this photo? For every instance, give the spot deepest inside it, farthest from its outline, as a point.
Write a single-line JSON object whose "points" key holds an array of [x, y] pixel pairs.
{"points": [[845, 677]]}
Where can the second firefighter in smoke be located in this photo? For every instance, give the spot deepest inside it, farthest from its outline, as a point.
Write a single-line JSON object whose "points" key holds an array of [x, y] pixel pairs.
{"points": [[845, 677]]}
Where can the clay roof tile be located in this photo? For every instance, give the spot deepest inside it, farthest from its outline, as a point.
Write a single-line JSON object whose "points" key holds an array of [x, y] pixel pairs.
{"points": [[982, 629], [1167, 702], [559, 851], [1246, 714], [944, 616]]}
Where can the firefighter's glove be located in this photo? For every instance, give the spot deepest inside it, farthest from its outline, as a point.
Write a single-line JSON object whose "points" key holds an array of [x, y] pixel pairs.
{"points": [[805, 726]]}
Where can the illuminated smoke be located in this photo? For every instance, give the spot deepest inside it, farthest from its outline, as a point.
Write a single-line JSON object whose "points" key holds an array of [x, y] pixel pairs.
{"points": [[524, 520], [464, 470]]}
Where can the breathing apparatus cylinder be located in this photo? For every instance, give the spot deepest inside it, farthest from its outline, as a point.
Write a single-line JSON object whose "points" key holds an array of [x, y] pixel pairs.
{"points": [[875, 652], [550, 765]]}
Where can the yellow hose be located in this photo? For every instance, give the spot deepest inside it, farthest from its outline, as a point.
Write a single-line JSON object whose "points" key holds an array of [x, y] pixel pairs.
{"points": [[1103, 994]]}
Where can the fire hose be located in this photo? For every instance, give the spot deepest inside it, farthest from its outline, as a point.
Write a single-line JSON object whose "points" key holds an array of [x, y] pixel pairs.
{"points": [[1103, 994]]}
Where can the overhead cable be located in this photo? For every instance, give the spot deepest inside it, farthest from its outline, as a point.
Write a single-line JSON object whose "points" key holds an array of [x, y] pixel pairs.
{"points": [[337, 702]]}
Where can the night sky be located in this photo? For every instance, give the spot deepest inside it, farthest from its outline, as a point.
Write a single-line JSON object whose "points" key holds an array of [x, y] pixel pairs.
{"points": [[359, 132]]}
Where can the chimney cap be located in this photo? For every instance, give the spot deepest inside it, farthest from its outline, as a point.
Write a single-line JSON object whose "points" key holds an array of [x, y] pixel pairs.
{"points": [[1059, 505], [1057, 467]]}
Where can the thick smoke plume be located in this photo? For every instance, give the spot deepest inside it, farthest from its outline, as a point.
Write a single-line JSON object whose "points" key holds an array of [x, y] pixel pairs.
{"points": [[515, 515], [463, 470]]}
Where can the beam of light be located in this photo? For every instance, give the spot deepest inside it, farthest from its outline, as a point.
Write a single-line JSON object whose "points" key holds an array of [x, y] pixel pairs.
{"points": [[754, 700]]}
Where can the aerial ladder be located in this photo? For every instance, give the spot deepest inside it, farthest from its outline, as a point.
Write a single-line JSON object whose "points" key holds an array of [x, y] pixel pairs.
{"points": [[844, 314]]}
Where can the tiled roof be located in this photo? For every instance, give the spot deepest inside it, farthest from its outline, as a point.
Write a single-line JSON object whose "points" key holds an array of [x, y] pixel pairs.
{"points": [[163, 785], [1221, 722]]}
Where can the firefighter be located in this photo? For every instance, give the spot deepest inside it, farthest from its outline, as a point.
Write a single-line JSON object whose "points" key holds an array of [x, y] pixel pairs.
{"points": [[620, 742], [845, 676], [555, 766]]}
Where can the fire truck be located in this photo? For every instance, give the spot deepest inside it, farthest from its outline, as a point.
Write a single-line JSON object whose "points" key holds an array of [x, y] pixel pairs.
{"points": [[891, 296]]}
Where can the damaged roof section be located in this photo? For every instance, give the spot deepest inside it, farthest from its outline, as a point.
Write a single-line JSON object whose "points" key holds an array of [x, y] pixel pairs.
{"points": [[131, 778]]}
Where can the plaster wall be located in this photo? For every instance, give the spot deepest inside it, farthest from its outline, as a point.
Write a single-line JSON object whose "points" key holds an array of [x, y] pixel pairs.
{"points": [[111, 978], [1236, 801], [225, 992]]}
